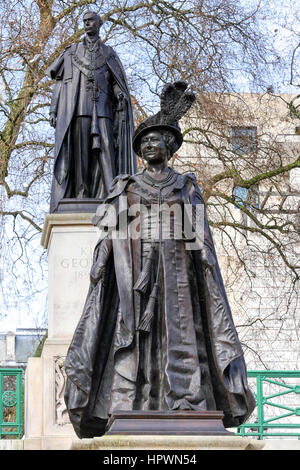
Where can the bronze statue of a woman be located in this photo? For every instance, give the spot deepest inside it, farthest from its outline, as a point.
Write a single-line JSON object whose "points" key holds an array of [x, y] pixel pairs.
{"points": [[156, 332]]}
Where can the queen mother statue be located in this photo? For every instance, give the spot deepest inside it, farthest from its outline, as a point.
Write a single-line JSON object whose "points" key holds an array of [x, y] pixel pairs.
{"points": [[156, 331]]}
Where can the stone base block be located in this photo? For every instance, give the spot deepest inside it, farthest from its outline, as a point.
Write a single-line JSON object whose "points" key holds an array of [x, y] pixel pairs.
{"points": [[282, 444], [33, 443], [48, 443], [11, 444], [47, 426], [45, 411], [121, 442], [70, 239]]}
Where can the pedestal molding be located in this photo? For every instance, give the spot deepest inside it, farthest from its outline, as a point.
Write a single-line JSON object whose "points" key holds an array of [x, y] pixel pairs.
{"points": [[63, 219]]}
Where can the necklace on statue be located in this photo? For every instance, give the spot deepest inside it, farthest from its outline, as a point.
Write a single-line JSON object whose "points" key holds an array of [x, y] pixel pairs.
{"points": [[154, 182], [92, 45]]}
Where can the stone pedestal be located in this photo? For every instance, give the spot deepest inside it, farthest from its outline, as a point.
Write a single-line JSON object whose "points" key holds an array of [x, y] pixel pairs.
{"points": [[70, 240], [154, 442]]}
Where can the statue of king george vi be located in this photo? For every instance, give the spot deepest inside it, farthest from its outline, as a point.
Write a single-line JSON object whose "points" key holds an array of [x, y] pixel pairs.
{"points": [[92, 115]]}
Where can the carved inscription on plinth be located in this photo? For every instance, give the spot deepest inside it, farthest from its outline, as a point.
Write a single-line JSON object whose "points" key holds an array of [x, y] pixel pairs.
{"points": [[80, 265]]}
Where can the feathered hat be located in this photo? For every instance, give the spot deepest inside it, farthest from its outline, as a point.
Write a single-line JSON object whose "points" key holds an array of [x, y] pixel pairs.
{"points": [[175, 101]]}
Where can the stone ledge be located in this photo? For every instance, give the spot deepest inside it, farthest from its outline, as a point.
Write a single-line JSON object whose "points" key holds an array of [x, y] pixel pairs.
{"points": [[11, 444], [154, 442], [48, 442], [64, 219], [282, 444]]}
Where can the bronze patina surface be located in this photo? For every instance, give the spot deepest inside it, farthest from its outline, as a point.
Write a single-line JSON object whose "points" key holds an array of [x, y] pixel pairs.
{"points": [[92, 115], [157, 337]]}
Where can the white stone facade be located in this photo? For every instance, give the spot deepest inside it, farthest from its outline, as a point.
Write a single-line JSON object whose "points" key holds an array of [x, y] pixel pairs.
{"points": [[262, 290]]}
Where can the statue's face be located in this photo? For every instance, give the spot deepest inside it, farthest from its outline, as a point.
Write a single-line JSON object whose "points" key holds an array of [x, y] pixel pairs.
{"points": [[153, 147], [91, 23]]}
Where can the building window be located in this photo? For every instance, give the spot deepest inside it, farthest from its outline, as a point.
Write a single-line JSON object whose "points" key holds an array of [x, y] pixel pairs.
{"points": [[247, 197], [240, 195], [244, 140]]}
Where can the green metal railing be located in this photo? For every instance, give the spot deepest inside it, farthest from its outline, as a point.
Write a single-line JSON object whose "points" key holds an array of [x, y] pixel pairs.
{"points": [[11, 402], [275, 417]]}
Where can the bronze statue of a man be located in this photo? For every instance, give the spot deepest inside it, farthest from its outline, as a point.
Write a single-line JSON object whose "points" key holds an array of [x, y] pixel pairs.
{"points": [[92, 115], [156, 332]]}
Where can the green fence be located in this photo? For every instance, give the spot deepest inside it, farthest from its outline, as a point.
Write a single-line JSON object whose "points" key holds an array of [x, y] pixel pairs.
{"points": [[278, 404], [277, 398], [11, 402]]}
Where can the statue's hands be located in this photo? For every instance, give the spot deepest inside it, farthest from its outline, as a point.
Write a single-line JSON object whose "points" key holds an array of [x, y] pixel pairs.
{"points": [[52, 120], [207, 258], [97, 273], [120, 96]]}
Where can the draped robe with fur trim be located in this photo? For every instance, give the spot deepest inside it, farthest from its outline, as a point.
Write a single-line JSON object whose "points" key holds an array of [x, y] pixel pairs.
{"points": [[191, 358]]}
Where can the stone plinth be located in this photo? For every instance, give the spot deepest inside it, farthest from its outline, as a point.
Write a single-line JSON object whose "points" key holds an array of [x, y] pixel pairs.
{"points": [[70, 240], [154, 442]]}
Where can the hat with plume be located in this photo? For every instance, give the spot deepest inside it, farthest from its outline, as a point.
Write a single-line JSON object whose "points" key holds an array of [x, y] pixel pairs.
{"points": [[175, 101]]}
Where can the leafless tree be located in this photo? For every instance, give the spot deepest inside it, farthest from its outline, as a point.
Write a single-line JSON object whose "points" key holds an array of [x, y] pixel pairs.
{"points": [[220, 48], [245, 153]]}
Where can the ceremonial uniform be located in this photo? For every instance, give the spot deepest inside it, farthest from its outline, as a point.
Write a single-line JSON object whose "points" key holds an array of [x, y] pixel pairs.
{"points": [[93, 134]]}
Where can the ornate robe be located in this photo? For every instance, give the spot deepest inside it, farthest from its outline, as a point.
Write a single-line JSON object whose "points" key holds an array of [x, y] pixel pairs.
{"points": [[188, 356], [81, 79]]}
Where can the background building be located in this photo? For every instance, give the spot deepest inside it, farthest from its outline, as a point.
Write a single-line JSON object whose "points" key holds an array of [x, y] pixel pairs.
{"points": [[16, 347], [244, 150]]}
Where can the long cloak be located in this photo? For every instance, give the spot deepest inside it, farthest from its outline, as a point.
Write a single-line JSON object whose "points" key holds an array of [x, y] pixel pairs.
{"points": [[106, 338], [64, 101]]}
